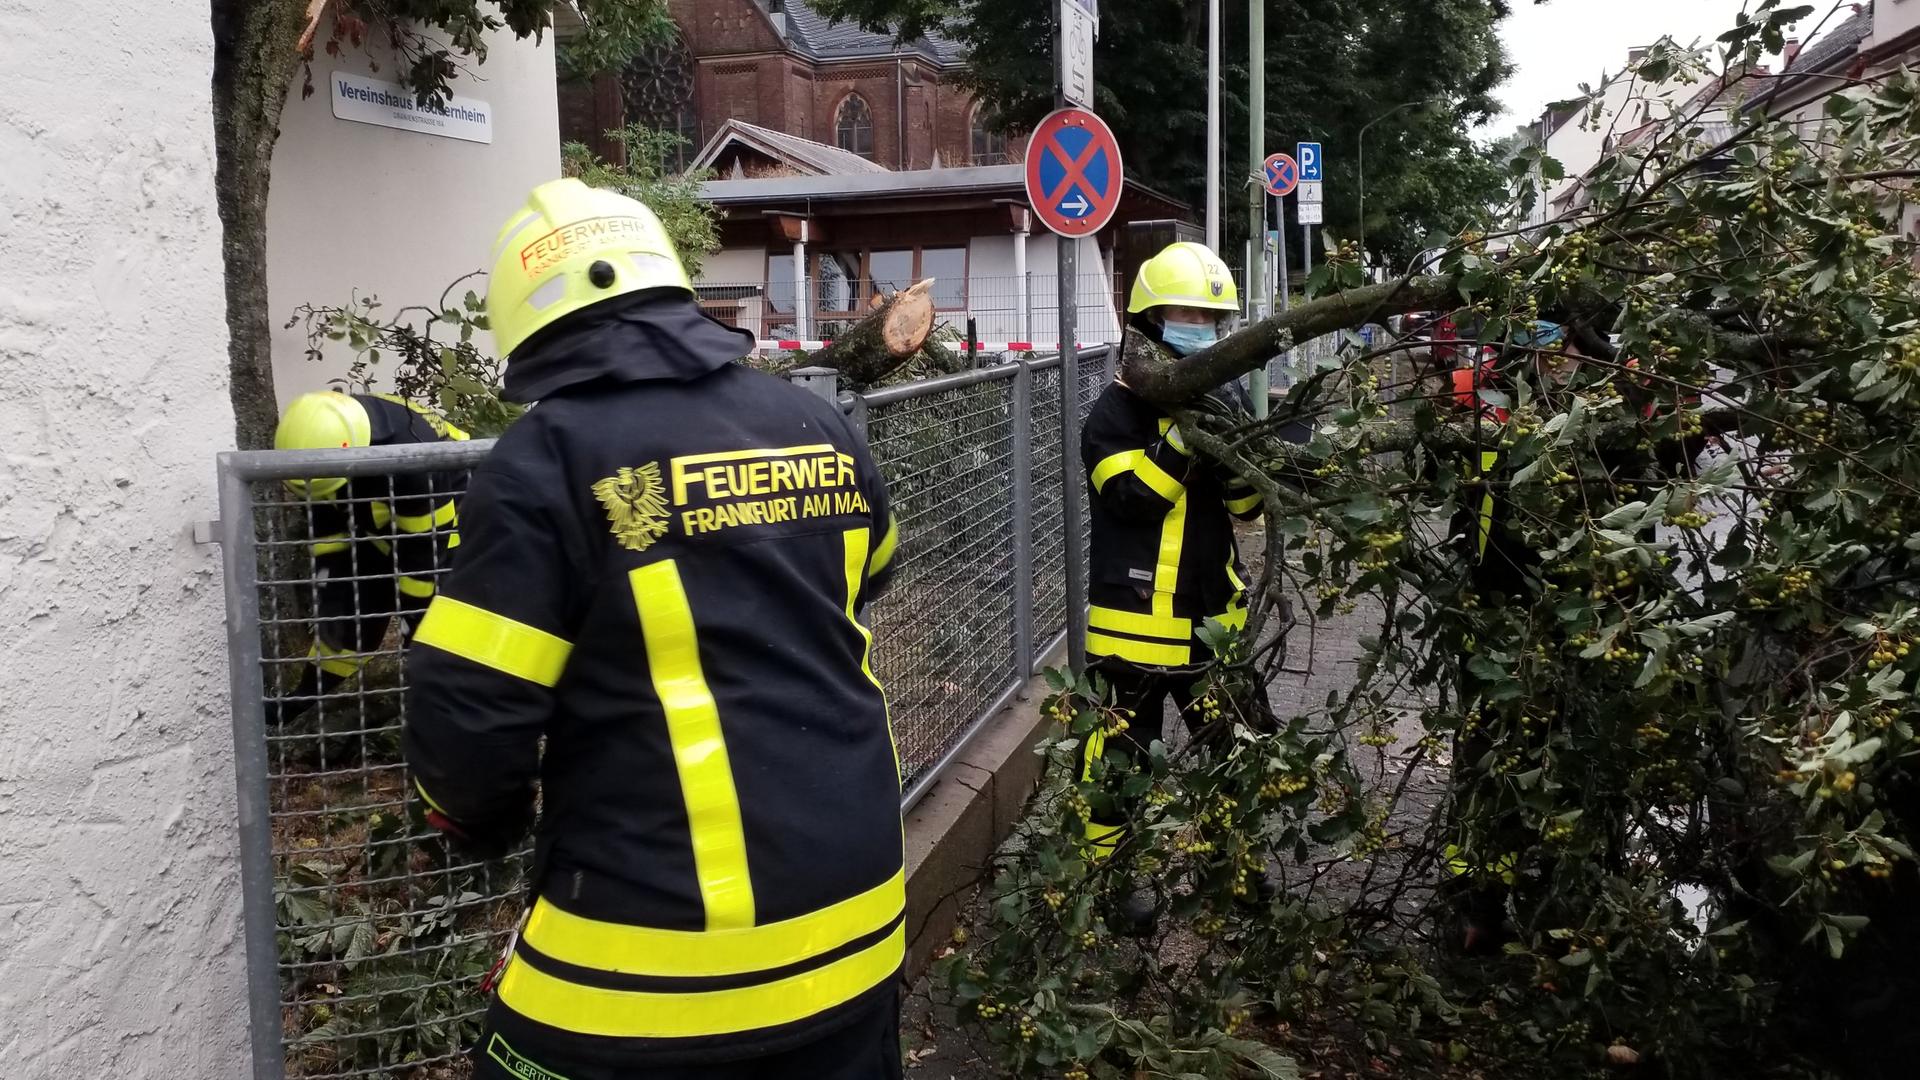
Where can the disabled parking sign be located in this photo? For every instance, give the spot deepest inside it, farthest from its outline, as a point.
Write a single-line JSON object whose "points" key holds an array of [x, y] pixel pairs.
{"points": [[1074, 174]]}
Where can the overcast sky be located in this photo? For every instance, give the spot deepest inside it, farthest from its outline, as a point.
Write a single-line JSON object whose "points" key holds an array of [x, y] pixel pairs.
{"points": [[1559, 45]]}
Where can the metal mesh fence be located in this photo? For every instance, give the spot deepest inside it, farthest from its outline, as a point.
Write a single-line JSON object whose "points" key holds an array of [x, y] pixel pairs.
{"points": [[380, 933], [367, 937], [943, 632]]}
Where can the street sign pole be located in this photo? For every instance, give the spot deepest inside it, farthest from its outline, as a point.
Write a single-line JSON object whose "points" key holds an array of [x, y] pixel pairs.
{"points": [[1213, 126], [1071, 480], [1282, 276], [1257, 145], [1311, 202]]}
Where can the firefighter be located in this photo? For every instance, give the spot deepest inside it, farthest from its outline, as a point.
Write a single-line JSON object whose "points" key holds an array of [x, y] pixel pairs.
{"points": [[377, 542], [1164, 559], [664, 575]]}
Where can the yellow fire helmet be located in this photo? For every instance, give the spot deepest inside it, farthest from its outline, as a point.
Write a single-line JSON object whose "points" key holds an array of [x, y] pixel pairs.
{"points": [[1188, 275], [325, 420], [570, 247]]}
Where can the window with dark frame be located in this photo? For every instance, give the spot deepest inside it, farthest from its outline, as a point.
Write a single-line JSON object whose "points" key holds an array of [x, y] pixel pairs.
{"points": [[989, 146], [853, 126]]}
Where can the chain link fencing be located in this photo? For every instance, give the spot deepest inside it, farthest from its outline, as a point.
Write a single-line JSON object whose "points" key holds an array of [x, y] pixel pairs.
{"points": [[367, 937]]}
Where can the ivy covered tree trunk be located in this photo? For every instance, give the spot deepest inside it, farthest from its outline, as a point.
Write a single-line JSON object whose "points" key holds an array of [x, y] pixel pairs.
{"points": [[255, 57]]}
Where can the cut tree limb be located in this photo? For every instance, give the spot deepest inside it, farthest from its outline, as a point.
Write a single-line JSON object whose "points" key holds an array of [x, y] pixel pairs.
{"points": [[874, 347], [1168, 381], [1158, 376]]}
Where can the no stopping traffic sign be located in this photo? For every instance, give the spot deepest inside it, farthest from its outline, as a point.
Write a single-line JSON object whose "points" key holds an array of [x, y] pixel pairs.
{"points": [[1074, 175]]}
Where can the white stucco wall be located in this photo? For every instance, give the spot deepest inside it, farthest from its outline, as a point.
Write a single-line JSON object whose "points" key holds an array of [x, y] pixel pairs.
{"points": [[735, 266], [1626, 103], [120, 945], [398, 214], [1891, 18]]}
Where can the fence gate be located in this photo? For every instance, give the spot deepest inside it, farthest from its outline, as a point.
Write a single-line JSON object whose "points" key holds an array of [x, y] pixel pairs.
{"points": [[366, 936]]}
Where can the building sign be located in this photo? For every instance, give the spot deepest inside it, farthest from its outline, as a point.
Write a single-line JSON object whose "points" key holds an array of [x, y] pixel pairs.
{"points": [[1077, 26], [371, 101]]}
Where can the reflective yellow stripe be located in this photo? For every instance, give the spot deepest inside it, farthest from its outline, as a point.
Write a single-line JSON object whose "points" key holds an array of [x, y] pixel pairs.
{"points": [[1233, 618], [1104, 839], [445, 514], [640, 950], [634, 1014], [1140, 652], [382, 513], [416, 587], [1241, 506], [1166, 573], [1487, 459], [1171, 628], [453, 541], [699, 746], [382, 546], [431, 802], [494, 640], [1166, 425], [883, 555], [1233, 575], [1096, 746], [1458, 866], [856, 559], [331, 544], [1138, 463], [341, 662]]}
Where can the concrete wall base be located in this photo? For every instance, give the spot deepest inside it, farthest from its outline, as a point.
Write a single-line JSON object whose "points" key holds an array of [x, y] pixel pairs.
{"points": [[955, 828]]}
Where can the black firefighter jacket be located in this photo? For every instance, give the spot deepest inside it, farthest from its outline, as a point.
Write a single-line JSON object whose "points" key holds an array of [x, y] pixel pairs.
{"points": [[1163, 559], [663, 574], [380, 542]]}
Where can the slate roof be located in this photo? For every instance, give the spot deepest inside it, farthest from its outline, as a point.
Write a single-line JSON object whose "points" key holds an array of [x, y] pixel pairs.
{"points": [[815, 38], [1836, 44], [805, 154]]}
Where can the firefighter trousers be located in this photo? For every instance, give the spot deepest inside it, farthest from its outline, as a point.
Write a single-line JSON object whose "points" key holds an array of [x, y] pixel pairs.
{"points": [[867, 1048]]}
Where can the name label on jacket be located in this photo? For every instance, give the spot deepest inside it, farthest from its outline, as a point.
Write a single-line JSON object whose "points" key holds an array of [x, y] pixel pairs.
{"points": [[713, 492]]}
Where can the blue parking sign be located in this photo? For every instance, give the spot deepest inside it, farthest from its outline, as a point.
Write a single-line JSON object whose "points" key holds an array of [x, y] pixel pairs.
{"points": [[1308, 155]]}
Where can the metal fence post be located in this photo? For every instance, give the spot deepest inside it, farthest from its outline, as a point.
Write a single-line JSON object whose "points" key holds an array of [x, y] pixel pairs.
{"points": [[1070, 476], [1023, 629], [823, 381], [240, 559]]}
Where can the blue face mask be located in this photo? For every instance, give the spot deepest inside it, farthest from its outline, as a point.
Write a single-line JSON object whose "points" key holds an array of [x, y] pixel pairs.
{"points": [[1185, 339]]}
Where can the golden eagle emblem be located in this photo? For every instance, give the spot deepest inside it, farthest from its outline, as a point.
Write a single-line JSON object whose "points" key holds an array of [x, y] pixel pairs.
{"points": [[636, 502]]}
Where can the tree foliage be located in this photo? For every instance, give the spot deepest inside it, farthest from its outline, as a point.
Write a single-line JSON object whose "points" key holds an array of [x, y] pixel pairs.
{"points": [[432, 354], [1675, 694], [673, 196], [257, 56], [432, 39], [1332, 65]]}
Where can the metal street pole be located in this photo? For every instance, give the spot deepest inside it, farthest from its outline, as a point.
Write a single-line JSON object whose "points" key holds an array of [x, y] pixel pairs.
{"points": [[1282, 276], [1362, 161], [1256, 160], [1071, 476], [1213, 126]]}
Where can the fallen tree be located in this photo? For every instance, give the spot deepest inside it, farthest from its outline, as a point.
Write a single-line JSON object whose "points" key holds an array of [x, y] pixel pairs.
{"points": [[1651, 593]]}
